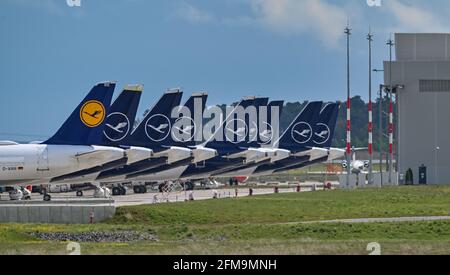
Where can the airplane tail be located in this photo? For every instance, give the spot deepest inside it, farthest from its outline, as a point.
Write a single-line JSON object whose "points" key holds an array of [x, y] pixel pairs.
{"points": [[122, 114], [237, 127], [187, 123], [301, 131], [325, 127], [154, 129], [86, 123], [219, 140], [269, 128], [253, 136]]}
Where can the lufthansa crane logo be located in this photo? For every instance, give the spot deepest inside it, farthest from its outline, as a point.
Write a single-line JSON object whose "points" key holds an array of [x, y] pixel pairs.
{"points": [[92, 113], [117, 127], [184, 129], [158, 127], [302, 133], [322, 134], [238, 135]]}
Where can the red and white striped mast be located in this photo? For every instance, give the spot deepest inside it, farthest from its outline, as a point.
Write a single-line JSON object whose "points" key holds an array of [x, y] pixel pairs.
{"points": [[370, 128], [349, 140], [390, 43]]}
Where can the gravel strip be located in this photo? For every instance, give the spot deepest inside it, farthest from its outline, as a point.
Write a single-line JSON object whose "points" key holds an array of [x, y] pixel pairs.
{"points": [[96, 237]]}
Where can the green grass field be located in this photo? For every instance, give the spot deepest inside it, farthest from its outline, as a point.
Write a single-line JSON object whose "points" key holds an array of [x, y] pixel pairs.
{"points": [[265, 225]]}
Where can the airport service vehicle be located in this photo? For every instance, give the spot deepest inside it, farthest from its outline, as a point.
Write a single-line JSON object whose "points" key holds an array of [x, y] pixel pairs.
{"points": [[19, 193], [71, 149]]}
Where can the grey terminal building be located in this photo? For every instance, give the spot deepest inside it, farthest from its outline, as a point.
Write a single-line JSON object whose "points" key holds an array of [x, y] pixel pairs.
{"points": [[421, 73]]}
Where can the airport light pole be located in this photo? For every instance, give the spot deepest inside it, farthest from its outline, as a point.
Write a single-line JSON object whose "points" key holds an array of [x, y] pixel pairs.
{"points": [[380, 133], [349, 149], [390, 43], [370, 39], [380, 128]]}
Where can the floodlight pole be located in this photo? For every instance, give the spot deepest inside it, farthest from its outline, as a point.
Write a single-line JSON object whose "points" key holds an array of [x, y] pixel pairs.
{"points": [[390, 43], [349, 150], [380, 133], [370, 39]]}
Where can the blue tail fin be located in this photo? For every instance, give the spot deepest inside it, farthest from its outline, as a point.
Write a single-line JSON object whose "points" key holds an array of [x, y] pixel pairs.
{"points": [[155, 128], [85, 125], [122, 114], [324, 130], [269, 129], [187, 124], [239, 127], [300, 133], [252, 138], [219, 140]]}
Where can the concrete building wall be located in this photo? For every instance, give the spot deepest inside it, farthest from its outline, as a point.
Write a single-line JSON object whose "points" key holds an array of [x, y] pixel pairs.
{"points": [[423, 110]]}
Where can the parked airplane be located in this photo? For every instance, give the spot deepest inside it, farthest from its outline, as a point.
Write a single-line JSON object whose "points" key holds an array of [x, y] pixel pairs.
{"points": [[72, 148], [122, 114], [185, 138], [262, 144], [168, 153], [327, 123], [300, 148], [231, 147]]}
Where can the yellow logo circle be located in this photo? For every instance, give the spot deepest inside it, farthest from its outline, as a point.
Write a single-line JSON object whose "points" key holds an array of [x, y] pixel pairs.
{"points": [[92, 113]]}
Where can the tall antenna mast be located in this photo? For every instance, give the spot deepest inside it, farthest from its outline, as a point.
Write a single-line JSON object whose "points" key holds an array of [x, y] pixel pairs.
{"points": [[349, 144], [391, 43], [370, 39]]}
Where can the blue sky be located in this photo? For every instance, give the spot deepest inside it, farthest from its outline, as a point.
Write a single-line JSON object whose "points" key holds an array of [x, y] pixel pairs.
{"points": [[52, 54]]}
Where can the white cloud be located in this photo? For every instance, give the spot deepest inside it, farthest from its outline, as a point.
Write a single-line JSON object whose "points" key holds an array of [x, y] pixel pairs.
{"points": [[325, 20], [415, 18], [192, 14]]}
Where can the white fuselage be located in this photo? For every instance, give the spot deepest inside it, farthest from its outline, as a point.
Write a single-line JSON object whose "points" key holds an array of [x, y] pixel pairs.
{"points": [[32, 164]]}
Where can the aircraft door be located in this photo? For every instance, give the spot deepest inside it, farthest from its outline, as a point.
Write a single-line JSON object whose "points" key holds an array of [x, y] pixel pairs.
{"points": [[42, 159]]}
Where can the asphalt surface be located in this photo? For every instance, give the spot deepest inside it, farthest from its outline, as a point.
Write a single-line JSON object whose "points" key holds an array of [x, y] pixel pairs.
{"points": [[153, 197]]}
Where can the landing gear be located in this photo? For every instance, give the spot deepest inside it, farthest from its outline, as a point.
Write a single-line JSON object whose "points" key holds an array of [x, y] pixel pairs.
{"points": [[79, 193], [119, 191], [190, 186], [116, 191], [140, 189], [47, 197]]}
